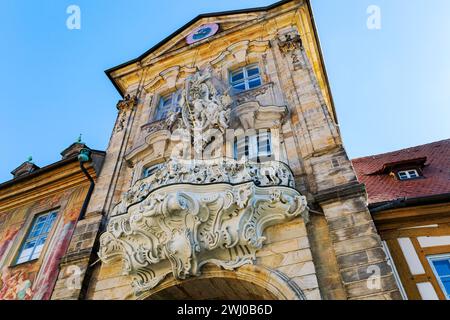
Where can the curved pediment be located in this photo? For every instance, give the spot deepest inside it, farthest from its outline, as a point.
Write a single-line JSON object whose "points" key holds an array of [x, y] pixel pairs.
{"points": [[155, 142], [254, 116]]}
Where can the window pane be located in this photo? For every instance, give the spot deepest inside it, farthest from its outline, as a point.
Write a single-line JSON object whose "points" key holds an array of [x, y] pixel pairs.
{"points": [[164, 106], [26, 253], [21, 260], [35, 241], [38, 226], [41, 219], [264, 146], [151, 170], [52, 218], [252, 72], [254, 83], [446, 284], [239, 75], [37, 251], [413, 174], [48, 227], [442, 267], [29, 245], [239, 87], [402, 175]]}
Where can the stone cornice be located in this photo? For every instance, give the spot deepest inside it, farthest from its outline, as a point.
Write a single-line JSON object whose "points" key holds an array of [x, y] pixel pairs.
{"points": [[43, 185]]}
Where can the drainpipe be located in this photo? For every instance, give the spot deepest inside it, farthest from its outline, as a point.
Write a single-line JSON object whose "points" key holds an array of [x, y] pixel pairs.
{"points": [[83, 157]]}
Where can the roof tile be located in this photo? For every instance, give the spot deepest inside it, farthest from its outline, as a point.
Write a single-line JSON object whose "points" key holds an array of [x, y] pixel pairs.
{"points": [[383, 187]]}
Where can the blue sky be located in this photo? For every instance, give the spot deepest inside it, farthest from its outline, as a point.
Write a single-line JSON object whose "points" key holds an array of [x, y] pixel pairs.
{"points": [[390, 86]]}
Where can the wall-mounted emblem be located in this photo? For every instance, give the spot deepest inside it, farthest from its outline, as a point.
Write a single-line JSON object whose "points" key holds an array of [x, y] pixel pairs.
{"points": [[202, 32]]}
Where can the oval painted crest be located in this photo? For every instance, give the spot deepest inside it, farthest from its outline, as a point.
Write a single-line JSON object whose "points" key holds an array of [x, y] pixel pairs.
{"points": [[202, 32]]}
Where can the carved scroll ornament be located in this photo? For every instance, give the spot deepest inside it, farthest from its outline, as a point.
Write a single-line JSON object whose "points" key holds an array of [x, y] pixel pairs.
{"points": [[178, 231], [291, 43]]}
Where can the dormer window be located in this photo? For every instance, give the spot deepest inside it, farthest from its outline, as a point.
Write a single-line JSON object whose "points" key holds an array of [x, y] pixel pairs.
{"points": [[167, 104], [403, 170], [245, 78], [408, 174]]}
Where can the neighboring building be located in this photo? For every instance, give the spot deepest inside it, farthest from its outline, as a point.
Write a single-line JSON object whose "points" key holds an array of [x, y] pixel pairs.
{"points": [[39, 211], [409, 198]]}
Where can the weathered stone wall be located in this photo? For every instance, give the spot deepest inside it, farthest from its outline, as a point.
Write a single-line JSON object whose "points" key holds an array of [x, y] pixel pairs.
{"points": [[358, 250], [73, 281]]}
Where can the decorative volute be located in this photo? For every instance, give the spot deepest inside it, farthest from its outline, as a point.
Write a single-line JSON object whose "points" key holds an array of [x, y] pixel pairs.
{"points": [[178, 230]]}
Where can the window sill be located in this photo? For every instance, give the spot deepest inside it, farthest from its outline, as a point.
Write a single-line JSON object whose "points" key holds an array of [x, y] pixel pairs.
{"points": [[410, 179], [15, 265], [246, 95]]}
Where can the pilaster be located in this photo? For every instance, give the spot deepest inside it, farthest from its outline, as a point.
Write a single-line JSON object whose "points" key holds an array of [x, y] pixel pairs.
{"points": [[362, 262]]}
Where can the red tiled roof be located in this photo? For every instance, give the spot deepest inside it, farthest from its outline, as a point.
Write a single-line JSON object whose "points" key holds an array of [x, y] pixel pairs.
{"points": [[382, 187]]}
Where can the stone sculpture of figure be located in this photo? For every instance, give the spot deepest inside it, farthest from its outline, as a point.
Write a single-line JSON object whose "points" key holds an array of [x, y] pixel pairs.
{"points": [[171, 119], [202, 106]]}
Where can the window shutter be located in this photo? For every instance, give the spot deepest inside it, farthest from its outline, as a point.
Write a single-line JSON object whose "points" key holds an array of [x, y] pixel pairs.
{"points": [[253, 148], [264, 145]]}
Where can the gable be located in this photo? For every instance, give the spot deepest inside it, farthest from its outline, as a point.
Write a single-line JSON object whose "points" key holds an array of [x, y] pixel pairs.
{"points": [[128, 76], [227, 20], [224, 24]]}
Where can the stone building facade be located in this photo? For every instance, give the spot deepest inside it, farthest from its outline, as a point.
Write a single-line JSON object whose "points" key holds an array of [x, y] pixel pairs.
{"points": [[226, 177], [192, 210]]}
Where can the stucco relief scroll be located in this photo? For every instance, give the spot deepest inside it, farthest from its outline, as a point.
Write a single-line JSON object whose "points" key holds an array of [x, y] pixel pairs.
{"points": [[178, 231]]}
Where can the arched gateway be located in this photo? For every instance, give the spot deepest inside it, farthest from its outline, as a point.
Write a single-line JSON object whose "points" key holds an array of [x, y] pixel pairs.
{"points": [[245, 283]]}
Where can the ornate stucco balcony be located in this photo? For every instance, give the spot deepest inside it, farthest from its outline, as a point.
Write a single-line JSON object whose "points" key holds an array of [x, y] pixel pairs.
{"points": [[228, 171]]}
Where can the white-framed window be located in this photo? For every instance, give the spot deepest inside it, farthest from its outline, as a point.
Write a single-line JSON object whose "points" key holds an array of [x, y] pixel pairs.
{"points": [[148, 171], [167, 103], [254, 148], [441, 268], [408, 174], [37, 235], [245, 78]]}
